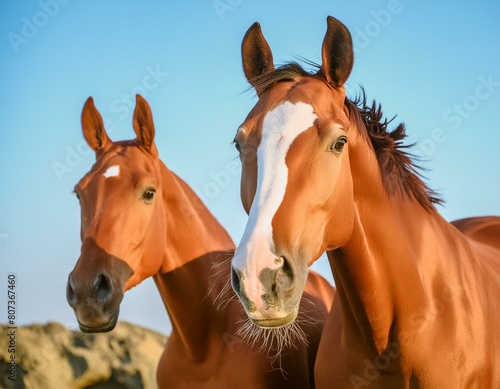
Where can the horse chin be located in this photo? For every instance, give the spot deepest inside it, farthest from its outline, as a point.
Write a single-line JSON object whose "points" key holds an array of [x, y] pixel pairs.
{"points": [[103, 328], [276, 322]]}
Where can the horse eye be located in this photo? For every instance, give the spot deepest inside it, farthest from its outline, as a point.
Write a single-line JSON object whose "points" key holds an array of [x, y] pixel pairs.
{"points": [[237, 146], [339, 144], [149, 194]]}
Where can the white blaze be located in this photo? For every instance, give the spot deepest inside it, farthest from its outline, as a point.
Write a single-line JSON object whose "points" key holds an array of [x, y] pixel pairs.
{"points": [[112, 171], [280, 128]]}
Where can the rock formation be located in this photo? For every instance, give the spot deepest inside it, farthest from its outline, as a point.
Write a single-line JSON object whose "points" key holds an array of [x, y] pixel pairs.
{"points": [[53, 357]]}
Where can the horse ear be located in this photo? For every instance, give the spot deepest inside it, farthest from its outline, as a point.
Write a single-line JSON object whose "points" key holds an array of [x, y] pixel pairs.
{"points": [[256, 54], [143, 125], [337, 53], [93, 126]]}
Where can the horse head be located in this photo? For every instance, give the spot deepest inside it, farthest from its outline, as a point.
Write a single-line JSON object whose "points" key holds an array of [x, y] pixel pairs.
{"points": [[296, 184], [122, 230]]}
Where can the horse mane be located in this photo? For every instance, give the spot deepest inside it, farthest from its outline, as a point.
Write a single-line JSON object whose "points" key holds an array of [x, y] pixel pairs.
{"points": [[287, 72], [400, 175]]}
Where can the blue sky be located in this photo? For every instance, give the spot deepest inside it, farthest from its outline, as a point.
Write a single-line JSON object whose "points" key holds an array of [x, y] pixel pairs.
{"points": [[434, 64]]}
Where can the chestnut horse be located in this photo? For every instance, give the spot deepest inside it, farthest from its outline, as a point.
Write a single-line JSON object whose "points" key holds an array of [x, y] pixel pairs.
{"points": [[138, 219], [417, 302]]}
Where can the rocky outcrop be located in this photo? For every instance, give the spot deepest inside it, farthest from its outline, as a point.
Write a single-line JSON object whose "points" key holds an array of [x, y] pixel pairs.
{"points": [[53, 357]]}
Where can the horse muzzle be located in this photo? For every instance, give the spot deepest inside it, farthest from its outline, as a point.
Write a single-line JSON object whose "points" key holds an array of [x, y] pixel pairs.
{"points": [[96, 304], [270, 298]]}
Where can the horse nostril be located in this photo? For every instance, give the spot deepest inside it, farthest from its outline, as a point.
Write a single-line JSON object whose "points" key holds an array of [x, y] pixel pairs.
{"points": [[70, 292], [285, 277], [103, 288], [235, 279], [279, 280]]}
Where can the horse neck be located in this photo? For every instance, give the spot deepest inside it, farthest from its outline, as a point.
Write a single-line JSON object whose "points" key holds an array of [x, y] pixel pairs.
{"points": [[395, 253], [187, 281], [192, 230]]}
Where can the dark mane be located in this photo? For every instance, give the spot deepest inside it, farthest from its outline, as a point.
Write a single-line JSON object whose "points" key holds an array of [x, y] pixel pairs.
{"points": [[400, 175], [288, 72]]}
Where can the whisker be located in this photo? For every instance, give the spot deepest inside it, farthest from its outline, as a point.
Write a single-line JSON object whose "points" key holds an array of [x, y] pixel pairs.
{"points": [[220, 282], [273, 341]]}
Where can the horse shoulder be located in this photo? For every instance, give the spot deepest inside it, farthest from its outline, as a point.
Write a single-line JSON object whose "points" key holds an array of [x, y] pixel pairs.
{"points": [[483, 234]]}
